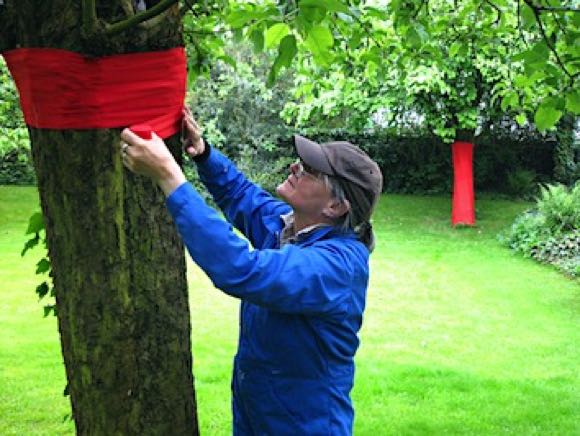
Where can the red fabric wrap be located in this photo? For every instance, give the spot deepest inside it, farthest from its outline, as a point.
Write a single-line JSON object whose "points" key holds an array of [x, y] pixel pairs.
{"points": [[463, 197], [60, 89]]}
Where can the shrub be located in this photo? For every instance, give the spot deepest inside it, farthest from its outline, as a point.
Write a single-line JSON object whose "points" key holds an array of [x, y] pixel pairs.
{"points": [[15, 160], [561, 207], [550, 232], [563, 251], [521, 184]]}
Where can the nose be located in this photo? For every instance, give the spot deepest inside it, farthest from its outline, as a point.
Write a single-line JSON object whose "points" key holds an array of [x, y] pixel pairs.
{"points": [[294, 167]]}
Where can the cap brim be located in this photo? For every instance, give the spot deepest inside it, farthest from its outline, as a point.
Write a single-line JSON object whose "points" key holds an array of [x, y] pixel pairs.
{"points": [[312, 154]]}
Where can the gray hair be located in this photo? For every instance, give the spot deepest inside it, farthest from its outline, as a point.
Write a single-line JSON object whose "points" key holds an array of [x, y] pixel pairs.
{"points": [[344, 222], [352, 220]]}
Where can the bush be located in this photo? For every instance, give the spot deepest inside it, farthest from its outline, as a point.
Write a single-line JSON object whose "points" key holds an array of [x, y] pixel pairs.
{"points": [[563, 251], [521, 184], [550, 232], [561, 207], [15, 160]]}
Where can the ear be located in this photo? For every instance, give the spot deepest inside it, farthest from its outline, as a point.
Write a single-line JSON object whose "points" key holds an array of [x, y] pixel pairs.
{"points": [[335, 209]]}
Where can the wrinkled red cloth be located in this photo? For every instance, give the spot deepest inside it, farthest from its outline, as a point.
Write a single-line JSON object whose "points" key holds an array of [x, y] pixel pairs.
{"points": [[463, 196], [60, 89]]}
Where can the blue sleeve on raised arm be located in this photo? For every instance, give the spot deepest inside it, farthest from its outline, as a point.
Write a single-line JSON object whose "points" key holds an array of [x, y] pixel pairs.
{"points": [[245, 204], [293, 279]]}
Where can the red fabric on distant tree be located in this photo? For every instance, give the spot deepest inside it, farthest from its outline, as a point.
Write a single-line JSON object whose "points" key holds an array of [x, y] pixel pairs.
{"points": [[60, 89], [463, 197]]}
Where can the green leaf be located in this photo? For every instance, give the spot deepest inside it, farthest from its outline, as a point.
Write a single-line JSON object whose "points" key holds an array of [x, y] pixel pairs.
{"points": [[286, 53], [454, 49], [312, 14], [31, 243], [527, 15], [42, 266], [275, 34], [241, 17], [229, 60], [257, 38], [573, 102], [412, 37], [49, 308], [546, 117], [35, 223], [329, 5], [521, 119], [510, 99], [42, 290], [319, 42]]}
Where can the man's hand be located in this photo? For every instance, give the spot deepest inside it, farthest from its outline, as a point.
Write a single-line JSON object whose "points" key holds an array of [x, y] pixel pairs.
{"points": [[151, 158], [193, 143]]}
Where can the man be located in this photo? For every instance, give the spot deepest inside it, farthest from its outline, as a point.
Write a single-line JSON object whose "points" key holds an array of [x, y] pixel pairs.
{"points": [[302, 277]]}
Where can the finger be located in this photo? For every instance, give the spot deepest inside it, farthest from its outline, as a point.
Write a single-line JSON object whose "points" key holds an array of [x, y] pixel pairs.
{"points": [[190, 150], [126, 162], [190, 123], [131, 138], [195, 125]]}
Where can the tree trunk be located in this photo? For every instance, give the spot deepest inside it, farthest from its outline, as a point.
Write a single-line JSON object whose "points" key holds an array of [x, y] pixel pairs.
{"points": [[463, 201], [117, 263]]}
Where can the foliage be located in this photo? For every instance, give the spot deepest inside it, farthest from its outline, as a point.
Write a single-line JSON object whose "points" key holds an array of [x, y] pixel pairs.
{"points": [[10, 113], [451, 62], [561, 208], [562, 251], [550, 231], [43, 267], [15, 160], [521, 183], [567, 153], [240, 115]]}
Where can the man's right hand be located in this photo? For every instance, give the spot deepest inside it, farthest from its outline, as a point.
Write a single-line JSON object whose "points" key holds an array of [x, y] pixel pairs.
{"points": [[194, 144]]}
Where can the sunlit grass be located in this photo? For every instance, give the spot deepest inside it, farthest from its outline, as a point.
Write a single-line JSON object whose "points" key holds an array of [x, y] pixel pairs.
{"points": [[460, 336]]}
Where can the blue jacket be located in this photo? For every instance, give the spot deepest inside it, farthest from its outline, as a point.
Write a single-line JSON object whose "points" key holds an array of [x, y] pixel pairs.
{"points": [[302, 304]]}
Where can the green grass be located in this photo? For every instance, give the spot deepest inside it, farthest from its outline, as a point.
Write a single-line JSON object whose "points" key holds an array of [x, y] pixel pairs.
{"points": [[460, 336]]}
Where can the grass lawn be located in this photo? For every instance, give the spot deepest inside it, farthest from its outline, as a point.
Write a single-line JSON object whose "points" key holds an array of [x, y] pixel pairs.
{"points": [[460, 336]]}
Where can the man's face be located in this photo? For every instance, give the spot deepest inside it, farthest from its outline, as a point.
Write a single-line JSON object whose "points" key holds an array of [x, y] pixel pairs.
{"points": [[305, 191]]}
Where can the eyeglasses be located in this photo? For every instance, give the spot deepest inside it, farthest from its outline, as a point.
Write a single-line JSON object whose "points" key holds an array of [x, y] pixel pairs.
{"points": [[302, 169]]}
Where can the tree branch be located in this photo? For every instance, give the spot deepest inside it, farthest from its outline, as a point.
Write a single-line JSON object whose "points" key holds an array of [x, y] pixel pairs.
{"points": [[89, 11], [423, 3], [545, 36], [520, 31], [127, 6], [121, 26], [555, 9], [497, 10]]}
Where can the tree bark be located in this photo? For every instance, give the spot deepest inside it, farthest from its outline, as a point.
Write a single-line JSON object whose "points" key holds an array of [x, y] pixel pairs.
{"points": [[118, 265]]}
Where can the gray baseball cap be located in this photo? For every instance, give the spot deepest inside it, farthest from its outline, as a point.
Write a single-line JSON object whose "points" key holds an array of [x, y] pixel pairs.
{"points": [[357, 173], [345, 161]]}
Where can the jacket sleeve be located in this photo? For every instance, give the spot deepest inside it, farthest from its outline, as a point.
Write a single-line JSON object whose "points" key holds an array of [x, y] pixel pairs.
{"points": [[313, 280], [244, 204]]}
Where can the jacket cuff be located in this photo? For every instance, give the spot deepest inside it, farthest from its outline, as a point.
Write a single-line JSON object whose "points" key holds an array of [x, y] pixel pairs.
{"points": [[178, 198], [205, 155]]}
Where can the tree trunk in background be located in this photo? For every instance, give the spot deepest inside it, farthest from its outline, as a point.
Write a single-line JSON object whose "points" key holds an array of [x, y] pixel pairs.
{"points": [[117, 263], [463, 208]]}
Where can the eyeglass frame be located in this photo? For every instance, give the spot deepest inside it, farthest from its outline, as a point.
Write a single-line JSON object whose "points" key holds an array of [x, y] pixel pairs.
{"points": [[305, 169]]}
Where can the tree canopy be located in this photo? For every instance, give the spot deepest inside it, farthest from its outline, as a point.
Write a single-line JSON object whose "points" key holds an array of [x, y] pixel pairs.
{"points": [[452, 63]]}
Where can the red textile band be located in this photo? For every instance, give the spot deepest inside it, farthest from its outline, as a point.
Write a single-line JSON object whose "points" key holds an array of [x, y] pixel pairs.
{"points": [[60, 89], [463, 197]]}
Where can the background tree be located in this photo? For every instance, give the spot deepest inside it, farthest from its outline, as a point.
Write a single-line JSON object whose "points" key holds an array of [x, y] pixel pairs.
{"points": [[117, 264]]}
